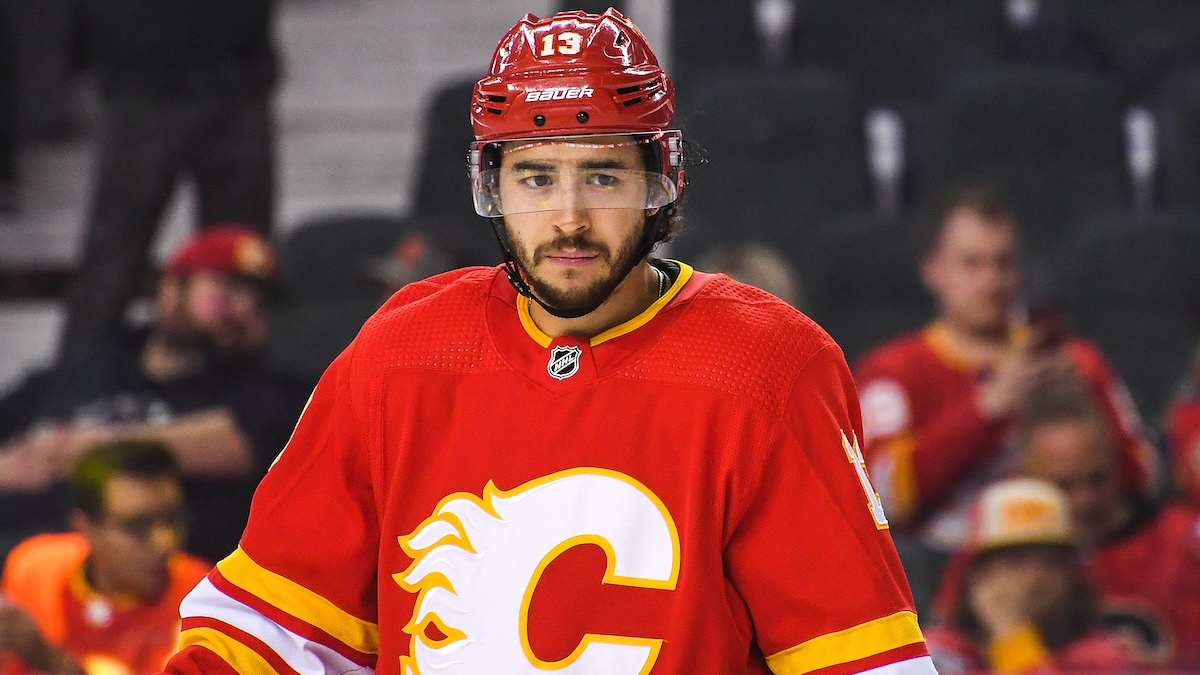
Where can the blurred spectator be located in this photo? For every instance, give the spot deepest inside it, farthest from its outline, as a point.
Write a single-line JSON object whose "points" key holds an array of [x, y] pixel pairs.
{"points": [[193, 379], [758, 265], [413, 258], [938, 404], [1025, 605], [185, 88], [1183, 435], [1143, 559], [104, 598]]}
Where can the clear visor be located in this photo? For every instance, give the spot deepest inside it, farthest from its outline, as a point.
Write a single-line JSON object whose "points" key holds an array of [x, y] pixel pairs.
{"points": [[571, 173]]}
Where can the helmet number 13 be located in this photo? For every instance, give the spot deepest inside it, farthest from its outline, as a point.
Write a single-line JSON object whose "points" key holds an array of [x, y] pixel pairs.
{"points": [[567, 43]]}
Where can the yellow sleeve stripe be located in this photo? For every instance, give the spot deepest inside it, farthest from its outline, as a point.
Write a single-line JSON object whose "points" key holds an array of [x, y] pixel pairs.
{"points": [[298, 601], [858, 642], [239, 657]]}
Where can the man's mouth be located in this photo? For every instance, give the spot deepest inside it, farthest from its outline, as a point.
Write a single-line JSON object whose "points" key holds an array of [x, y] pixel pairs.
{"points": [[571, 257]]}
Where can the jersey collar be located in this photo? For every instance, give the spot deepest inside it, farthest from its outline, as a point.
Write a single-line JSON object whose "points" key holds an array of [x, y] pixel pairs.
{"points": [[685, 273]]}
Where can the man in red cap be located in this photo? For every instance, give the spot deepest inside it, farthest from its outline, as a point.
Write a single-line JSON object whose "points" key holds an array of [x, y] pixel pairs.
{"points": [[192, 379], [586, 460]]}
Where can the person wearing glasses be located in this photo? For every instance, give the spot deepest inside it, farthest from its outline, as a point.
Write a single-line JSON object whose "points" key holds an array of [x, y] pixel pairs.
{"points": [[103, 598]]}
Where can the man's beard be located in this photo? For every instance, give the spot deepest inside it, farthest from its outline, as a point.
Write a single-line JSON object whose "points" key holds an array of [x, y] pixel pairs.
{"points": [[588, 297]]}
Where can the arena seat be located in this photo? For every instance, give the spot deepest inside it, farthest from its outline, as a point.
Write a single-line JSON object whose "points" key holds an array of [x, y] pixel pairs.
{"points": [[786, 151], [443, 187], [327, 292], [1131, 284], [899, 51], [1179, 144], [1050, 139], [861, 276]]}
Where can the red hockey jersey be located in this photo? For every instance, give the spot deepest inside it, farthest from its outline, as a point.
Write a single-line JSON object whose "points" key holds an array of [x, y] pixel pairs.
{"points": [[931, 450], [1183, 440], [1148, 578], [681, 494]]}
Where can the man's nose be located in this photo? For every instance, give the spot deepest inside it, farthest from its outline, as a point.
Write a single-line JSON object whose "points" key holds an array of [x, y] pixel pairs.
{"points": [[573, 215]]}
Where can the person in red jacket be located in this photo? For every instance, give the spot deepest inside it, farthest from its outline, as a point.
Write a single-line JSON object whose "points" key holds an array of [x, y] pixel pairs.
{"points": [[1143, 558], [1024, 605], [103, 600], [1183, 435], [938, 405]]}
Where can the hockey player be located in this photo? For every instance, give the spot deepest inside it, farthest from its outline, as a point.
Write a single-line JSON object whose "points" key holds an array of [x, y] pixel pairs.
{"points": [[583, 461]]}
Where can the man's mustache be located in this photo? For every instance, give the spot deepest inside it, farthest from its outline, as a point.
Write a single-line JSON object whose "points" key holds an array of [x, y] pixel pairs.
{"points": [[571, 243]]}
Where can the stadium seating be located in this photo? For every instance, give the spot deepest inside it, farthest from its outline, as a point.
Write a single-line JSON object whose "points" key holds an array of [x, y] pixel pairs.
{"points": [[327, 292], [1137, 35], [1050, 139], [1179, 144], [1132, 285], [443, 193], [861, 277], [899, 51], [711, 35], [786, 152]]}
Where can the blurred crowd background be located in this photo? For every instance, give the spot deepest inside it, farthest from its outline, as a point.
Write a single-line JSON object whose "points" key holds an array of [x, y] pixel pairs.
{"points": [[201, 201]]}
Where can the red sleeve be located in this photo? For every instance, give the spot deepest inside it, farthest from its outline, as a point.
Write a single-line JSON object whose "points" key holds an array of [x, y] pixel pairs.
{"points": [[303, 580], [810, 522], [1183, 441], [917, 465], [1138, 463]]}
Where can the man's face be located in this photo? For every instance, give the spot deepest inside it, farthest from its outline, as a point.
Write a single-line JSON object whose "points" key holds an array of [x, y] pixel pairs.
{"points": [[141, 527], [575, 250], [1077, 456], [219, 312], [973, 271]]}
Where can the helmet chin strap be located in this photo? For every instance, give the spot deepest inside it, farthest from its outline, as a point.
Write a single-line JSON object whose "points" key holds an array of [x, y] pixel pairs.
{"points": [[513, 270]]}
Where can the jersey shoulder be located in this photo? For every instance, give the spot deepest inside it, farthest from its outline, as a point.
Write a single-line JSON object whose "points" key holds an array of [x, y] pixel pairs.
{"points": [[438, 323], [737, 339]]}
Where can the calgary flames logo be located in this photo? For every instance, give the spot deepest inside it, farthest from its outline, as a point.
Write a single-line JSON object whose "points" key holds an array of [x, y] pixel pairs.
{"points": [[477, 561]]}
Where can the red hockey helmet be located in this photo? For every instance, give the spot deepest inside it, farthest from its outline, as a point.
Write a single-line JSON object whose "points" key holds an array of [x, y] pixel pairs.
{"points": [[573, 73], [582, 79]]}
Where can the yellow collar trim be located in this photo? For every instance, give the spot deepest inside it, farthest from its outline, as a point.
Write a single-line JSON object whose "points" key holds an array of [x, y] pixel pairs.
{"points": [[938, 340], [84, 592], [685, 273]]}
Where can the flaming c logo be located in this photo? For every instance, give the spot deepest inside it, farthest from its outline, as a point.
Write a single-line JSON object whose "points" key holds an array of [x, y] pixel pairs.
{"points": [[477, 561]]}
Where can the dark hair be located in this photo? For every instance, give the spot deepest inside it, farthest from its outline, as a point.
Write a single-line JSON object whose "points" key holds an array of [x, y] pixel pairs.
{"points": [[144, 459], [985, 202], [1054, 405]]}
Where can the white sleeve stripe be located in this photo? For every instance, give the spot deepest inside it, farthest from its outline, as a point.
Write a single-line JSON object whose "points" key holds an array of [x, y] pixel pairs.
{"points": [[304, 656], [922, 665]]}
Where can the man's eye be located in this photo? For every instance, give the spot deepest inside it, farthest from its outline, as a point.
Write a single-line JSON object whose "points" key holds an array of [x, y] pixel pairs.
{"points": [[536, 181], [604, 180]]}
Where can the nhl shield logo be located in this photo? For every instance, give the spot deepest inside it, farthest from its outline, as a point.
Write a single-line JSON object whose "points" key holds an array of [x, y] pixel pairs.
{"points": [[564, 362]]}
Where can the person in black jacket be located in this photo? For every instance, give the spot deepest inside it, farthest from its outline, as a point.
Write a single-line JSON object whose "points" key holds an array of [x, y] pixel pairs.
{"points": [[185, 88], [193, 380]]}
